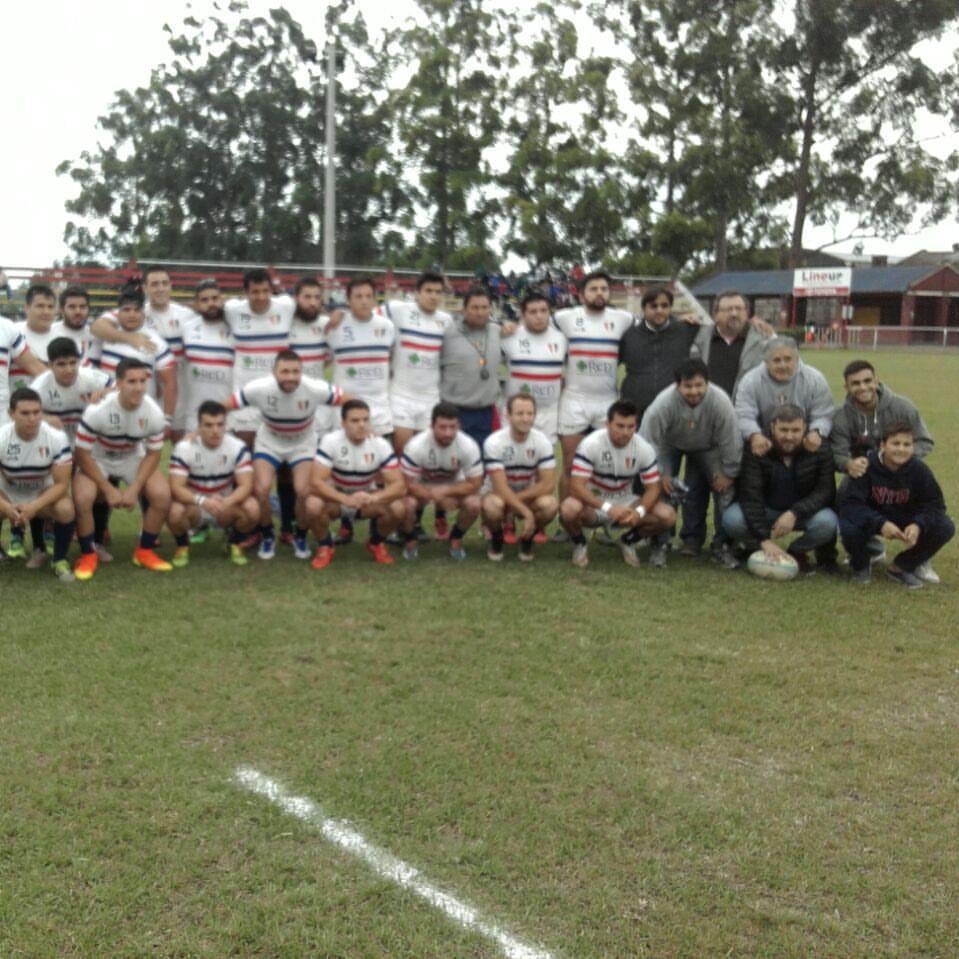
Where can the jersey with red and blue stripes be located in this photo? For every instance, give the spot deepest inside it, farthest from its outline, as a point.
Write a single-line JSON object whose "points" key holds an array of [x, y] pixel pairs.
{"points": [[355, 467], [288, 416], [416, 353], [593, 354], [257, 337], [361, 352], [610, 469], [25, 464], [521, 459], [211, 469]]}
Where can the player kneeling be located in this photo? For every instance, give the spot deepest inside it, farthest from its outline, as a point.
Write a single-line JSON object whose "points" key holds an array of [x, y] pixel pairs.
{"points": [[355, 475], [35, 468], [520, 478], [211, 481], [119, 441], [442, 466], [604, 467]]}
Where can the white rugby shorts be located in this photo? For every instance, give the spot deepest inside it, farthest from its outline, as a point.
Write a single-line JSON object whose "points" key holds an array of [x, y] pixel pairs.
{"points": [[578, 414]]}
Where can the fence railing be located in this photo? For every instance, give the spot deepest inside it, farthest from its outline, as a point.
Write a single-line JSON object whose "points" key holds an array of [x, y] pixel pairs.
{"points": [[884, 337]]}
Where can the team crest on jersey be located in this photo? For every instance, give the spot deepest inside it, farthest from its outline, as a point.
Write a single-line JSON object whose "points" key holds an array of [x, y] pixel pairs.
{"points": [[369, 457], [44, 451], [608, 325], [552, 347], [530, 454], [380, 333], [630, 462], [302, 404], [141, 422]]}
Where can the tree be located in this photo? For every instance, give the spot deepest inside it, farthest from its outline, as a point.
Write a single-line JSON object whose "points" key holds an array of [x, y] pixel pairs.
{"points": [[859, 84], [447, 117], [711, 121], [219, 156]]}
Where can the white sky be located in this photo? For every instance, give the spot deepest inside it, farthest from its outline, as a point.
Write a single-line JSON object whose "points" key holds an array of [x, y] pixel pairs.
{"points": [[62, 62]]}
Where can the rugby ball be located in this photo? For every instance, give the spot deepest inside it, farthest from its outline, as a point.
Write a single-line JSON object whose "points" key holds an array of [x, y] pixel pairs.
{"points": [[765, 567]]}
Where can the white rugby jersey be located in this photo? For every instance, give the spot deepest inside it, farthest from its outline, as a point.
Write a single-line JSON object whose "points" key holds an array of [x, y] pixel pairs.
{"points": [[81, 337], [521, 460], [107, 356], [68, 402], [38, 343], [25, 464], [308, 341], [208, 357], [425, 461], [12, 346], [289, 416], [257, 337], [609, 469], [416, 352], [361, 357], [593, 352], [111, 432], [355, 466], [534, 364], [170, 324], [211, 469]]}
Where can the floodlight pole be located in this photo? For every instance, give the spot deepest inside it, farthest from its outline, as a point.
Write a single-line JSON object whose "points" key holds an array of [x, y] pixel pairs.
{"points": [[329, 186]]}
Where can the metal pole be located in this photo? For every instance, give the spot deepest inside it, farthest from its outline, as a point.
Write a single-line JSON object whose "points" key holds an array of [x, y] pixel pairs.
{"points": [[329, 186]]}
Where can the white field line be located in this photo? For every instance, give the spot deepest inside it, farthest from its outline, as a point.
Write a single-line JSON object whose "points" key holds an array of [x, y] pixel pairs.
{"points": [[342, 834]]}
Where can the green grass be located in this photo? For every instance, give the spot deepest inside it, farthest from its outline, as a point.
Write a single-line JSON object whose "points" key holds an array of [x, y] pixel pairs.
{"points": [[610, 762]]}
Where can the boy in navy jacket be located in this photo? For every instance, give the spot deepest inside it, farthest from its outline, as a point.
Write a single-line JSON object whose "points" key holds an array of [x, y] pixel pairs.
{"points": [[896, 498]]}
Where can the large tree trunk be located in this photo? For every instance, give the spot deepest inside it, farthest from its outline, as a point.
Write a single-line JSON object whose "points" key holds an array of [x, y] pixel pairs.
{"points": [[802, 171]]}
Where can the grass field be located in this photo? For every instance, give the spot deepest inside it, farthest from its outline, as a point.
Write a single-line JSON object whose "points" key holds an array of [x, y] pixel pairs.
{"points": [[608, 763]]}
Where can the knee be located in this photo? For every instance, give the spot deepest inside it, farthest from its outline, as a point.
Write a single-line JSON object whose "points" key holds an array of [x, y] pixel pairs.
{"points": [[570, 509], [63, 511], [547, 505], [397, 509], [665, 513], [493, 508], [734, 522], [471, 504]]}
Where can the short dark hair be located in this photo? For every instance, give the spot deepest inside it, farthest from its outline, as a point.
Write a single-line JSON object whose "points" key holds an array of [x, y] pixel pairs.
{"points": [[429, 276], [690, 369], [595, 275], [131, 363], [787, 413], [39, 289], [357, 281], [146, 271], [62, 348], [534, 297], [473, 292], [624, 409], [520, 396], [857, 366], [131, 295], [72, 291], [728, 295], [654, 293], [256, 275], [444, 411], [23, 395], [899, 427], [208, 284], [353, 404], [210, 408], [286, 356], [305, 281]]}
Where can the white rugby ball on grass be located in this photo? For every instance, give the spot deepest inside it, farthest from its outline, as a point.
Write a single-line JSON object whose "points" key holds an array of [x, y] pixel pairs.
{"points": [[768, 567]]}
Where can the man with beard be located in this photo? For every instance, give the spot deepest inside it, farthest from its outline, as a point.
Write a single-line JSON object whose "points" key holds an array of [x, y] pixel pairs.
{"points": [[593, 332], [694, 419], [74, 317], [308, 341], [208, 353], [784, 488]]}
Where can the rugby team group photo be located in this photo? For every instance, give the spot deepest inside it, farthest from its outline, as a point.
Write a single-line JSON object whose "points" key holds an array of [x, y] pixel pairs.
{"points": [[290, 420]]}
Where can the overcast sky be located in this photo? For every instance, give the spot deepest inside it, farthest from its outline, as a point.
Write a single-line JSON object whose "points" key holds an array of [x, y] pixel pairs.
{"points": [[62, 62]]}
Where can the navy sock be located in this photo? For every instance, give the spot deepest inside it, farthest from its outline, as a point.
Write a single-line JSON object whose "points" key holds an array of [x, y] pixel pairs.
{"points": [[86, 543], [497, 541], [101, 520], [148, 540], [267, 532], [579, 539], [456, 533], [326, 541], [286, 494], [182, 539], [235, 536], [62, 537], [36, 533], [375, 536]]}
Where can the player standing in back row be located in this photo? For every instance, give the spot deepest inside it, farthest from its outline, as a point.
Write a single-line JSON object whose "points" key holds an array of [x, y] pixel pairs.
{"points": [[594, 331]]}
